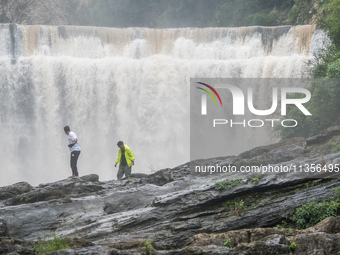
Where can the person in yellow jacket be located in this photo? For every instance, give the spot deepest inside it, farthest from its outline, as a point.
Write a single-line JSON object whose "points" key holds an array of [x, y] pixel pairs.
{"points": [[126, 160]]}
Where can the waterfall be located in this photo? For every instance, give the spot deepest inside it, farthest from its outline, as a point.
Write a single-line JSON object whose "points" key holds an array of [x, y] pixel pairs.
{"points": [[131, 84]]}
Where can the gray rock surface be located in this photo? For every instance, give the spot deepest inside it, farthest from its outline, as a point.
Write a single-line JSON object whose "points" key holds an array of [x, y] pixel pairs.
{"points": [[14, 190], [3, 230], [172, 207]]}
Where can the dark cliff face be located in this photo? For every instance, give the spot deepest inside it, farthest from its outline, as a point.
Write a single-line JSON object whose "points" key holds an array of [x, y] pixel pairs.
{"points": [[180, 209]]}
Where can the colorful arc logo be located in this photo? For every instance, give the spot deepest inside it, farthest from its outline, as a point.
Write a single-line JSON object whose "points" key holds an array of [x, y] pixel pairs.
{"points": [[204, 96]]}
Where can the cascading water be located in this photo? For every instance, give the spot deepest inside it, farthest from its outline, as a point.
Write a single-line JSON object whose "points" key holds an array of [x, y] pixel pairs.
{"points": [[132, 84]]}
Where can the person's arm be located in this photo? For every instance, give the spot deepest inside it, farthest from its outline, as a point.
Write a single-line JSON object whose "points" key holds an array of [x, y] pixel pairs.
{"points": [[73, 142]]}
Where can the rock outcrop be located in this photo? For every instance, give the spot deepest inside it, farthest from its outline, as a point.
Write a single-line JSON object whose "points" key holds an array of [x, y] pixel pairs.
{"points": [[181, 211]]}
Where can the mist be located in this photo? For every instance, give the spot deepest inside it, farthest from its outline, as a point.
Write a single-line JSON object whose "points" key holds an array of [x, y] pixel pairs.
{"points": [[111, 84]]}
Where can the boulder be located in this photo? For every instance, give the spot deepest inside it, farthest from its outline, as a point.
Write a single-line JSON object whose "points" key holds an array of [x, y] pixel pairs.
{"points": [[330, 225]]}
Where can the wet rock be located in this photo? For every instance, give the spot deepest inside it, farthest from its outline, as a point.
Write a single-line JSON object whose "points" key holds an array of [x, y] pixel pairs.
{"points": [[274, 153], [324, 135], [90, 178], [160, 178], [4, 234], [180, 211], [62, 189], [139, 175], [14, 190]]}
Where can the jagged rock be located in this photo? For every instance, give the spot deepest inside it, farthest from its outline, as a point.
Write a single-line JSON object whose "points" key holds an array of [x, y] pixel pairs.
{"points": [[160, 178], [90, 178], [202, 250], [329, 225], [274, 153], [62, 189], [274, 246], [317, 243], [131, 244], [14, 190], [11, 246], [269, 241], [94, 251], [246, 241], [138, 175], [240, 236], [324, 135], [173, 207]]}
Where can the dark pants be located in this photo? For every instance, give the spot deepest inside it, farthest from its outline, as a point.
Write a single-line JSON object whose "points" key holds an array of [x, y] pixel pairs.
{"points": [[74, 160], [123, 170]]}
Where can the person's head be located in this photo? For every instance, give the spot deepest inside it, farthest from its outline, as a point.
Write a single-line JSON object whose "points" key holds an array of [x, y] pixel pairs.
{"points": [[120, 144], [67, 130]]}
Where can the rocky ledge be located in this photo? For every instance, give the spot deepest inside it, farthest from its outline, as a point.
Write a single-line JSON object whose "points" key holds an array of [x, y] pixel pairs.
{"points": [[181, 211]]}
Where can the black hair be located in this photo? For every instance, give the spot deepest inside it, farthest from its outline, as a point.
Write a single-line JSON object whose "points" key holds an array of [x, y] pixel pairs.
{"points": [[67, 128], [120, 143]]}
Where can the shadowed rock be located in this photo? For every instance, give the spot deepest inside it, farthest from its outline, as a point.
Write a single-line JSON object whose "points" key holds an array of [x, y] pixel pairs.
{"points": [[183, 210]]}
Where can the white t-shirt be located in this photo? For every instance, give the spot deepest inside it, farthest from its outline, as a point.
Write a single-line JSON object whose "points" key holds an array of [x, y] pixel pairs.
{"points": [[71, 137]]}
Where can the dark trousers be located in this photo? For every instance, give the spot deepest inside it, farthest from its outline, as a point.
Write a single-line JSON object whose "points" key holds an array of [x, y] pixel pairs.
{"points": [[74, 160], [123, 170]]}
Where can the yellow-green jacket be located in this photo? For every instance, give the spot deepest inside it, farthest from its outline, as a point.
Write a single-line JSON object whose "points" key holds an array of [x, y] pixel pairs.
{"points": [[128, 155]]}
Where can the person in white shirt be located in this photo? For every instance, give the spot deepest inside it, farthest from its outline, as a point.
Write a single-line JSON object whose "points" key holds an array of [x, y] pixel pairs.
{"points": [[73, 144]]}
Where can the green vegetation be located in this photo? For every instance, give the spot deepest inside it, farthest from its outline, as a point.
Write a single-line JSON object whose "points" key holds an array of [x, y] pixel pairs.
{"points": [[289, 233], [336, 196], [148, 248], [282, 225], [334, 147], [227, 242], [51, 245], [301, 11], [313, 212], [25, 198], [239, 204], [325, 89], [254, 180], [324, 106], [310, 184], [227, 184], [292, 246], [239, 207], [329, 19]]}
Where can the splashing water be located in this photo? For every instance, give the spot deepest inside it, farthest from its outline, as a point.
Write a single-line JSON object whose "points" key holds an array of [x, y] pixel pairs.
{"points": [[132, 84]]}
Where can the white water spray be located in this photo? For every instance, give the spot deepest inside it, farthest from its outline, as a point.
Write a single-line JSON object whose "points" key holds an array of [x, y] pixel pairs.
{"points": [[111, 84]]}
